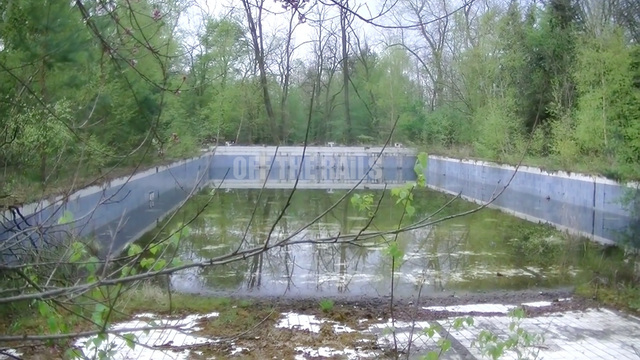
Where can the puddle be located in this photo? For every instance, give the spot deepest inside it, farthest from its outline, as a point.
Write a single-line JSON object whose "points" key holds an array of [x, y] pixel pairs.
{"points": [[487, 250], [148, 344], [310, 323], [10, 354], [381, 335], [327, 352]]}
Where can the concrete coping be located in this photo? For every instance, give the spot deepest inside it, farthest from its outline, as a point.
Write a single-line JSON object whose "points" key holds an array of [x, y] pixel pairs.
{"points": [[302, 185], [535, 170], [310, 150]]}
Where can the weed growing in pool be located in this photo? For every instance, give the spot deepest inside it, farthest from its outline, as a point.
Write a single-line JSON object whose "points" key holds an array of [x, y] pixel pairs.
{"points": [[326, 305], [524, 344]]}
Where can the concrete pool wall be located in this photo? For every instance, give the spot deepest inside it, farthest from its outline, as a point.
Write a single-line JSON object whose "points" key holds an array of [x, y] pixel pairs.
{"points": [[131, 206], [589, 206]]}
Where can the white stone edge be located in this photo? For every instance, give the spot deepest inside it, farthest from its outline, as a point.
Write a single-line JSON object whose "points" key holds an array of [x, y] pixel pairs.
{"points": [[302, 184], [311, 149], [527, 217], [535, 170]]}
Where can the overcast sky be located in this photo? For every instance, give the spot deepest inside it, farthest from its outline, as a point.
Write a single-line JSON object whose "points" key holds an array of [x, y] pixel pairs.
{"points": [[276, 18]]}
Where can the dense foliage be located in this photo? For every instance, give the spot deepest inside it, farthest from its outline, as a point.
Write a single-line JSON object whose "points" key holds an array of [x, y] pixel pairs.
{"points": [[107, 83]]}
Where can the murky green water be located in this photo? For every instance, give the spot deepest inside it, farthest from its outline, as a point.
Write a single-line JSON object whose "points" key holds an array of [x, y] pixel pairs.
{"points": [[484, 251]]}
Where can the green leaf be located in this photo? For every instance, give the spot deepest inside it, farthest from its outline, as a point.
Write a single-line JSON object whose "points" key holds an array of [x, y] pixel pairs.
{"points": [[147, 262], [432, 355], [394, 251], [96, 294], [126, 270], [403, 194], [423, 159], [97, 341], [96, 317], [52, 322], [43, 308], [355, 199], [91, 265], [469, 321], [77, 250], [430, 331], [134, 249], [160, 264], [75, 257], [457, 323], [130, 339], [100, 307], [66, 217], [410, 210], [99, 314], [446, 345]]}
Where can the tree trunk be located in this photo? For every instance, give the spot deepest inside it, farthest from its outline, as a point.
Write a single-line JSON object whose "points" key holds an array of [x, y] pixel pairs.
{"points": [[345, 72], [255, 27], [43, 147], [284, 132]]}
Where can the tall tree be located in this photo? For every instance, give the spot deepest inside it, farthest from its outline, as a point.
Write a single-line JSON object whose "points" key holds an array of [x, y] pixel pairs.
{"points": [[344, 24], [254, 13]]}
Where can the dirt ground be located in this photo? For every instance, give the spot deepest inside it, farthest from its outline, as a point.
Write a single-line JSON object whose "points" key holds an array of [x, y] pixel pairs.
{"points": [[250, 323], [405, 308], [268, 342]]}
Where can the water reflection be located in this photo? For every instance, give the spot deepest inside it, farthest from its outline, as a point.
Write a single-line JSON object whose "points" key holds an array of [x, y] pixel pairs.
{"points": [[484, 251]]}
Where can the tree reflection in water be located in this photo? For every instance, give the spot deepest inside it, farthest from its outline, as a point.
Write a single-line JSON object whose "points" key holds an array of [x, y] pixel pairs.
{"points": [[463, 254]]}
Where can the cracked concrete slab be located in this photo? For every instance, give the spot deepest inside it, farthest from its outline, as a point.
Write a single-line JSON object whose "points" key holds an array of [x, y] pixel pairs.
{"points": [[590, 334]]}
